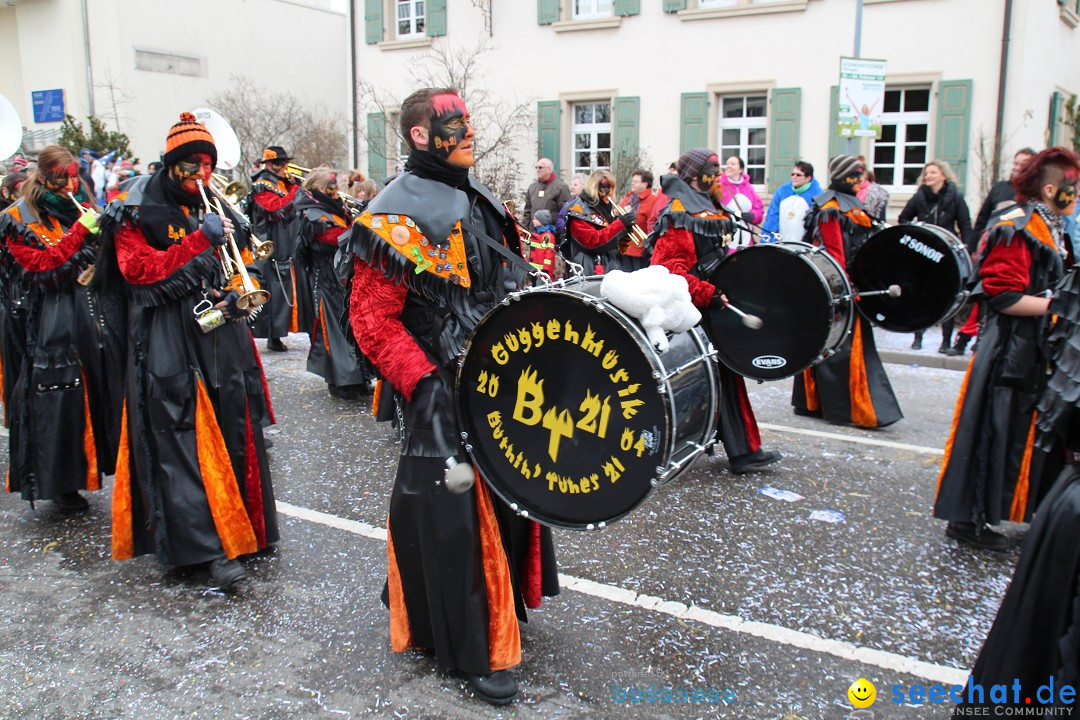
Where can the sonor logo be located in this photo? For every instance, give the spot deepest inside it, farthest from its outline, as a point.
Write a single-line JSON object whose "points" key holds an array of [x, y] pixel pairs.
{"points": [[925, 250], [768, 362]]}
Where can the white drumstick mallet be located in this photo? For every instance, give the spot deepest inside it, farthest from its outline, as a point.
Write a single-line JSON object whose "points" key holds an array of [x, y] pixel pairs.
{"points": [[751, 321], [891, 291], [459, 477]]}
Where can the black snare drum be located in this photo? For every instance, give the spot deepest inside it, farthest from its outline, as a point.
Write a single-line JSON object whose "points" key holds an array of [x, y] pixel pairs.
{"points": [[929, 264], [802, 297], [570, 415]]}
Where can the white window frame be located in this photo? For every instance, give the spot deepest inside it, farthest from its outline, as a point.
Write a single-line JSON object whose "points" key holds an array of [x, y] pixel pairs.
{"points": [[591, 9], [744, 125], [901, 120], [594, 130], [413, 19]]}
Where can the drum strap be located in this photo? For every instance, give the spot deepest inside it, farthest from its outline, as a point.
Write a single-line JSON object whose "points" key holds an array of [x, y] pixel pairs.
{"points": [[498, 247]]}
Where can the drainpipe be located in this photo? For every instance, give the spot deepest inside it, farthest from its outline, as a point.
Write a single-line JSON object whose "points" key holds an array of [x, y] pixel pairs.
{"points": [[355, 125], [86, 53], [999, 126]]}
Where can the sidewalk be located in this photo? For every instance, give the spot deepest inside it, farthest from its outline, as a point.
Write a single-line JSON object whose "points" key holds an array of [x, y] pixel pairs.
{"points": [[896, 348]]}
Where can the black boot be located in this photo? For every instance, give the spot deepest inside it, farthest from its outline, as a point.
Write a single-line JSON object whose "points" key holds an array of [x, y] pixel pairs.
{"points": [[946, 341], [962, 340], [916, 344]]}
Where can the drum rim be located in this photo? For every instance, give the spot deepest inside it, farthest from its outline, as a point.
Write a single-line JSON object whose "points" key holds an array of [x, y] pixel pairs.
{"points": [[652, 358]]}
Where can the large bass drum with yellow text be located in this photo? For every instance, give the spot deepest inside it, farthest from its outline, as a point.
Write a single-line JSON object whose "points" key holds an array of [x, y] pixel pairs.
{"points": [[568, 412]]}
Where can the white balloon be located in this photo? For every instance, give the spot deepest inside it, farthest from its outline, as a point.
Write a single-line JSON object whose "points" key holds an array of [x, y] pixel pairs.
{"points": [[11, 130], [228, 145]]}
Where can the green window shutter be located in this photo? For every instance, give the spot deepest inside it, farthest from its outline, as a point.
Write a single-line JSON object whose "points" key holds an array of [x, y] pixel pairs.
{"points": [[953, 126], [624, 8], [626, 113], [837, 144], [547, 11], [694, 121], [1057, 100], [547, 130], [783, 134], [373, 22], [435, 22], [671, 6], [376, 137]]}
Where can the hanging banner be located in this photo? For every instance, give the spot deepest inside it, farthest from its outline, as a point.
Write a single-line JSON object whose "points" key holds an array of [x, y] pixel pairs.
{"points": [[862, 97]]}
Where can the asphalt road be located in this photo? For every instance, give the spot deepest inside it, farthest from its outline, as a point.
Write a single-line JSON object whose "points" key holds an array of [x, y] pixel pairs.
{"points": [[710, 588]]}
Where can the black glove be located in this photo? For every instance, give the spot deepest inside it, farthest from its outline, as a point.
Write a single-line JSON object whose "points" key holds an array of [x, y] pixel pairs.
{"points": [[214, 229], [627, 219], [431, 398], [228, 305], [718, 302]]}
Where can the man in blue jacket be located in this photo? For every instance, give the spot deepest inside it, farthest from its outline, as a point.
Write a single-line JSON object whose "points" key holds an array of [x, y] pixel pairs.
{"points": [[791, 201]]}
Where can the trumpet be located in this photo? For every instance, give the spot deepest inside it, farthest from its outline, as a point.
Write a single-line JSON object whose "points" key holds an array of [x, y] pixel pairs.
{"points": [[251, 297], [637, 234], [262, 249], [298, 171], [232, 190], [88, 272]]}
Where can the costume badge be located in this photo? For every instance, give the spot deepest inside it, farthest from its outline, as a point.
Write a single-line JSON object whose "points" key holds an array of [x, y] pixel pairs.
{"points": [[399, 235]]}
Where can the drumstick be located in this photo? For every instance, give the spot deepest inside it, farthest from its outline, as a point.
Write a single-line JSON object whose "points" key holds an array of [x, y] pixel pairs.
{"points": [[751, 321], [460, 477], [892, 291]]}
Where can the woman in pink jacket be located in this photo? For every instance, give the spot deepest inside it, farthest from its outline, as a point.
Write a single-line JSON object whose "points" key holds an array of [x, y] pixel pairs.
{"points": [[734, 182]]}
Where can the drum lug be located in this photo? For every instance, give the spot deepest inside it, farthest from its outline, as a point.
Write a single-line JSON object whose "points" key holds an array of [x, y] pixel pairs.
{"points": [[464, 436], [661, 388]]}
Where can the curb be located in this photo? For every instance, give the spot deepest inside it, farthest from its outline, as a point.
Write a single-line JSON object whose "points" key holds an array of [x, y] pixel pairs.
{"points": [[960, 362]]}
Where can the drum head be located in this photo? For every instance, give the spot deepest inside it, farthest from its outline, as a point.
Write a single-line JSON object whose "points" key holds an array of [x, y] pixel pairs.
{"points": [[561, 408], [929, 264], [782, 287]]}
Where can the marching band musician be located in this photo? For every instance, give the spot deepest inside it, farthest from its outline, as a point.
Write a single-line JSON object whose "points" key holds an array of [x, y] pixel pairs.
{"points": [[849, 387], [594, 230], [54, 377], [429, 263], [192, 477], [692, 234], [274, 192], [990, 472], [323, 218]]}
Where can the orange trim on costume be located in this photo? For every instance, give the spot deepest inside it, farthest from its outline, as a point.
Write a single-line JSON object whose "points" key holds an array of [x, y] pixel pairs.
{"points": [[222, 491], [956, 420], [294, 322], [406, 239], [504, 635], [1020, 494], [1040, 231], [322, 327], [400, 630], [862, 405], [123, 546], [813, 403], [375, 398], [93, 479]]}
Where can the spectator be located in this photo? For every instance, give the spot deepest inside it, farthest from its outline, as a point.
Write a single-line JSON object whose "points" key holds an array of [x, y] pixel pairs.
{"points": [[938, 202], [791, 202], [875, 198], [737, 193], [153, 167], [576, 186], [640, 200], [547, 193], [1001, 195], [368, 190], [11, 188]]}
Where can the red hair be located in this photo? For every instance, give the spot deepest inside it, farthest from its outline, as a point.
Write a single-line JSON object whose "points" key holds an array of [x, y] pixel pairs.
{"points": [[1050, 166]]}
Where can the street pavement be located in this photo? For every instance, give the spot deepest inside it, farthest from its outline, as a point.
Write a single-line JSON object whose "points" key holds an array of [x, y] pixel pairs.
{"points": [[710, 590]]}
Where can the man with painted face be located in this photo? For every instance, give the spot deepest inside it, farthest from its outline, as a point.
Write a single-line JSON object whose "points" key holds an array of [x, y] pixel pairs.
{"points": [[273, 213], [192, 477], [428, 264], [849, 387], [692, 235], [991, 471], [596, 234]]}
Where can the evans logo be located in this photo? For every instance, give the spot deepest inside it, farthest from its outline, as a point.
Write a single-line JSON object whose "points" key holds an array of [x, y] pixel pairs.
{"points": [[768, 362]]}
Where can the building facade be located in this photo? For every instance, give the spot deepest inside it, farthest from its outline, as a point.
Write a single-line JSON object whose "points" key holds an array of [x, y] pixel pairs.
{"points": [[642, 80]]}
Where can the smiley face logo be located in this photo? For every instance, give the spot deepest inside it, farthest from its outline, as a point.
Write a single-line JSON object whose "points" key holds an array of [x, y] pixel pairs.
{"points": [[862, 693]]}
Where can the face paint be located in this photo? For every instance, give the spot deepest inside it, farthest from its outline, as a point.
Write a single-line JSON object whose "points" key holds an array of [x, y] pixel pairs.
{"points": [[59, 178], [1066, 194], [193, 168], [604, 188], [451, 130], [277, 167], [709, 173]]}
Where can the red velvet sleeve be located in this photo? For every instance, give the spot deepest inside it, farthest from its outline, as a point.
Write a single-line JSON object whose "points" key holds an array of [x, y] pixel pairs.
{"points": [[1006, 268], [832, 236], [590, 236], [144, 265], [675, 251], [374, 313], [330, 237], [45, 259], [272, 202]]}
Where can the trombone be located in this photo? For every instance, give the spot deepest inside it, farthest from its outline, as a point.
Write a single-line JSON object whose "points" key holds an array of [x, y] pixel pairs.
{"points": [[638, 236], [251, 297], [262, 249]]}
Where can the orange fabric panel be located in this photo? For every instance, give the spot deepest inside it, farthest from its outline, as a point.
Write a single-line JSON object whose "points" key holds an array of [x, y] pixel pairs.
{"points": [[322, 328], [294, 323], [222, 491], [1020, 494], [813, 403], [376, 397], [956, 419], [400, 631], [122, 543], [93, 479], [504, 635], [862, 406]]}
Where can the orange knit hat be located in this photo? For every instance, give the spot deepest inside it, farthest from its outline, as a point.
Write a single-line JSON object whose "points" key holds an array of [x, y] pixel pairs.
{"points": [[187, 137]]}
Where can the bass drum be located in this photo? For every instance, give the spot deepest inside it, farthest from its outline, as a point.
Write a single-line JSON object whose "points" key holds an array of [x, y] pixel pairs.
{"points": [[929, 264], [802, 297], [568, 412]]}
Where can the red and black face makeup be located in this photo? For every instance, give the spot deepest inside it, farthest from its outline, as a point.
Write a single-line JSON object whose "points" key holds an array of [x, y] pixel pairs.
{"points": [[1066, 192], [603, 189], [709, 172], [451, 130], [194, 167], [57, 179], [277, 167]]}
